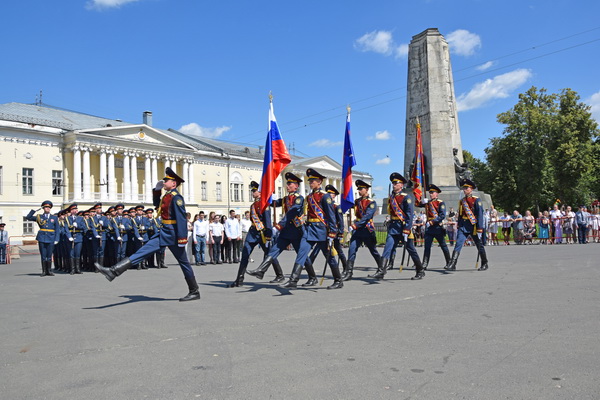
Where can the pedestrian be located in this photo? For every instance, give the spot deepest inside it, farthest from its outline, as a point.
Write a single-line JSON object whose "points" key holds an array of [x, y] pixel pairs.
{"points": [[556, 217], [209, 242], [517, 225], [233, 232], [506, 221], [173, 234], [528, 227], [200, 236], [543, 227], [215, 232], [493, 226], [3, 244]]}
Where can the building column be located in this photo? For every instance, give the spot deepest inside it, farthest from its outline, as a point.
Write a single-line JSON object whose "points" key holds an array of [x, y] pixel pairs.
{"points": [[112, 179], [185, 177], [303, 186], [154, 177], [148, 180], [126, 178], [76, 173], [191, 184], [135, 197], [87, 192], [102, 180], [174, 166]]}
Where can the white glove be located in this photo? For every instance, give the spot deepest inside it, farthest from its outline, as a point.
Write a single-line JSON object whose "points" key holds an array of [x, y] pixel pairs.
{"points": [[75, 224], [425, 200], [479, 235], [98, 236], [275, 230], [55, 242], [405, 237], [120, 238], [70, 239], [121, 226], [101, 222], [159, 185], [181, 245], [330, 242], [140, 238]]}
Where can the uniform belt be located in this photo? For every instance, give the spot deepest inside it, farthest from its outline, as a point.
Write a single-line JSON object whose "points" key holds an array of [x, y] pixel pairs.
{"points": [[395, 218], [169, 221], [47, 230], [76, 231], [467, 218], [314, 220]]}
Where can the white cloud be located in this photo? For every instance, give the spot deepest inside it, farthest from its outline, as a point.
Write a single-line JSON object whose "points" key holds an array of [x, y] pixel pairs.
{"points": [[499, 87], [384, 161], [102, 4], [463, 42], [377, 188], [196, 130], [325, 143], [380, 42], [486, 66], [594, 101], [381, 135]]}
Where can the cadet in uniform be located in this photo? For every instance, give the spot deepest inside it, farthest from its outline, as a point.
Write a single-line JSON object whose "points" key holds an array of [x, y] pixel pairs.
{"points": [[470, 223], [172, 235], [319, 232], [101, 222], [47, 236], [139, 227], [150, 226], [122, 228], [75, 224], [436, 214], [363, 229], [290, 229], [260, 233], [64, 243]]}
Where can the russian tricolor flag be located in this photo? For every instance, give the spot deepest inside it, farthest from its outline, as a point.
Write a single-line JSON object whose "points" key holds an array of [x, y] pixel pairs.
{"points": [[349, 161], [276, 159]]}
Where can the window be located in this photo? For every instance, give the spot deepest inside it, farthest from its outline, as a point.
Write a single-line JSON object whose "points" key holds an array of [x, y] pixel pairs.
{"points": [[203, 191], [235, 192], [280, 192], [27, 180], [250, 199], [219, 194], [1, 170], [27, 227], [57, 183]]}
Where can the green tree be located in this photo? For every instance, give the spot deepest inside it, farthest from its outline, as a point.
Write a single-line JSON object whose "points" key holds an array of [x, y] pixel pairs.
{"points": [[481, 173]]}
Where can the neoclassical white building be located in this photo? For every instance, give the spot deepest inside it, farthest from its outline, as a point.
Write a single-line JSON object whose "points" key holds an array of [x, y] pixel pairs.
{"points": [[64, 156]]}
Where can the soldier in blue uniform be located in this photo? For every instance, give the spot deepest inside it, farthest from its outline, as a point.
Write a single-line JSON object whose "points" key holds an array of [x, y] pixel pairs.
{"points": [[339, 217], [122, 228], [172, 235], [90, 238], [260, 233], [110, 250], [150, 227], [47, 236], [290, 230], [436, 214], [363, 229], [140, 235], [470, 223], [75, 224], [65, 243], [319, 232], [3, 243], [101, 222], [401, 212]]}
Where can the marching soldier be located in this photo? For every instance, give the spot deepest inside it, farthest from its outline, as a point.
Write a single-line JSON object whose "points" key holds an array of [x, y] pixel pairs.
{"points": [[470, 223], [290, 232], [319, 232], [172, 235], [436, 214], [363, 229], [47, 236], [401, 211], [260, 233], [339, 216]]}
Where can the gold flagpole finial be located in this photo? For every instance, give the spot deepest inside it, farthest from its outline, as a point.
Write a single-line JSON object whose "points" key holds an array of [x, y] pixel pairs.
{"points": [[270, 96], [348, 108]]}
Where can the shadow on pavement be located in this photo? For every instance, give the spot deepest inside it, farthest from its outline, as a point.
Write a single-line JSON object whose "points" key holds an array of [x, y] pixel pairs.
{"points": [[131, 299]]}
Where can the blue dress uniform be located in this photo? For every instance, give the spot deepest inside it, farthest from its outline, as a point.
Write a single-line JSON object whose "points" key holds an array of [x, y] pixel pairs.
{"points": [[102, 223], [260, 233], [47, 236], [3, 244], [290, 230], [149, 228], [122, 227], [339, 218], [363, 229], [140, 235], [90, 242], [112, 233], [470, 223], [172, 235], [436, 214], [319, 232], [401, 212], [64, 243]]}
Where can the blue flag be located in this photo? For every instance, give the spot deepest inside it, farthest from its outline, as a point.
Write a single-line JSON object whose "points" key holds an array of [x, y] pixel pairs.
{"points": [[347, 201]]}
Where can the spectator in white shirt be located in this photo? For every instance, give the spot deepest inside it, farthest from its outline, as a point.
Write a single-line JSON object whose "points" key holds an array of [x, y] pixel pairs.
{"points": [[233, 230], [200, 235], [215, 231]]}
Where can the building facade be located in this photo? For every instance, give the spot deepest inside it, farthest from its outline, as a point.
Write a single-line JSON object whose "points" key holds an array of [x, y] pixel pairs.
{"points": [[64, 156]]}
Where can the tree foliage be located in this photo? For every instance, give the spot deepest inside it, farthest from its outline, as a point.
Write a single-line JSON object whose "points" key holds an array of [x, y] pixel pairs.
{"points": [[548, 151]]}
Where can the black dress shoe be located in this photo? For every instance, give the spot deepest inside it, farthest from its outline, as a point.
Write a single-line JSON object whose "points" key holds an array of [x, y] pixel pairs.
{"points": [[337, 284], [278, 279], [311, 282]]}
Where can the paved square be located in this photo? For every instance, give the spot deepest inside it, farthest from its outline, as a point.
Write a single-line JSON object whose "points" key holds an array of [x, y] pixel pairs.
{"points": [[528, 328]]}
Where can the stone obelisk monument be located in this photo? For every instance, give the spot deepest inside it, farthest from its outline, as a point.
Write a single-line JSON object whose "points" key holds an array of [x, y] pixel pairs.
{"points": [[431, 99]]}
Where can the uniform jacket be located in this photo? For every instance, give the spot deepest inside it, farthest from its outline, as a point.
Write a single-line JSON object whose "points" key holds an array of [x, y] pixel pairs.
{"points": [[49, 227], [76, 226], [339, 219], [254, 235], [320, 216], [400, 223], [171, 209], [290, 226], [364, 210], [476, 207]]}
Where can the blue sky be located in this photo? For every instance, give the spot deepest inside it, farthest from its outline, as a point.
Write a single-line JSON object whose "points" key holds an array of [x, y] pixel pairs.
{"points": [[207, 67]]}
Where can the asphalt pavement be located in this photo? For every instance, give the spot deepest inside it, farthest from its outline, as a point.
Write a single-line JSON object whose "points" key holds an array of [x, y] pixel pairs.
{"points": [[528, 328]]}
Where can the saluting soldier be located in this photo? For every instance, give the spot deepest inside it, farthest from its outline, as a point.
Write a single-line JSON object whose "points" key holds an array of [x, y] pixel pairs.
{"points": [[319, 232], [470, 223], [436, 214], [290, 229], [401, 211], [339, 217], [47, 236], [363, 228], [260, 233], [172, 235]]}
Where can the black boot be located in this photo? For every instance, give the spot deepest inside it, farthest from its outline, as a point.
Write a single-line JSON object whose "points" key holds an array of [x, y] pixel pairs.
{"points": [[44, 272], [337, 284], [484, 261], [112, 272], [312, 281], [312, 276], [262, 268], [71, 265], [100, 261], [77, 266], [452, 264], [162, 261], [425, 262], [144, 264], [49, 268], [337, 277], [292, 283], [390, 264], [381, 268], [240, 276], [446, 255], [420, 270], [194, 293], [278, 272], [347, 275]]}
